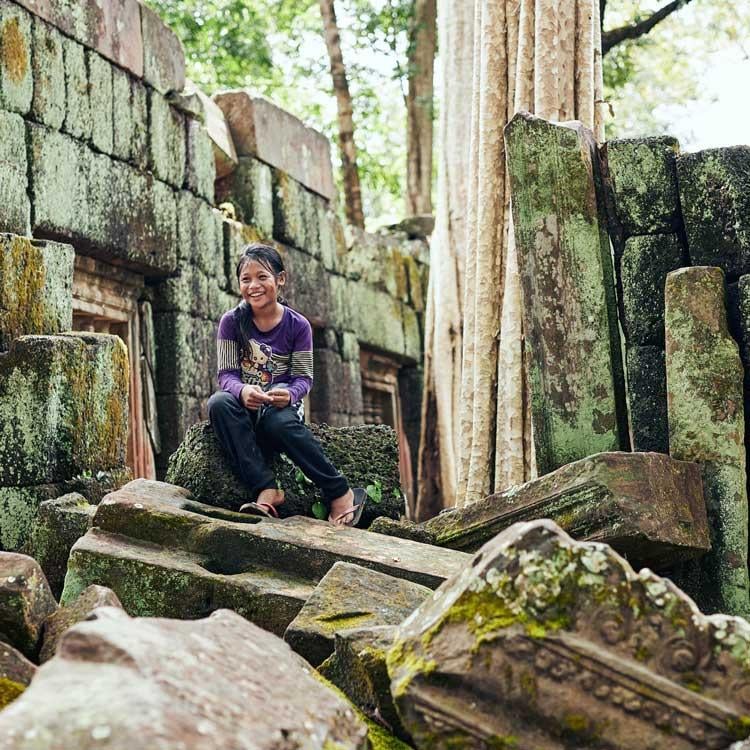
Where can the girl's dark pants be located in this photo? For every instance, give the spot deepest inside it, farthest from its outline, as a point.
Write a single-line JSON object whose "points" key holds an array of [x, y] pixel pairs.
{"points": [[251, 444]]}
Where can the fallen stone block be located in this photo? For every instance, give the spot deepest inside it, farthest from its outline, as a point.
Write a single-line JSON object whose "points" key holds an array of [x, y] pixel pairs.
{"points": [[570, 312], [36, 287], [25, 602], [644, 184], [648, 506], [716, 208], [261, 129], [77, 611], [363, 454], [58, 525], [647, 398], [558, 644], [174, 683], [16, 77], [707, 424], [16, 214], [16, 672], [350, 596], [163, 55]]}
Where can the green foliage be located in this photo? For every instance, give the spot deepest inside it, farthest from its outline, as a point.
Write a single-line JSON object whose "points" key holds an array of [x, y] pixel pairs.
{"points": [[375, 491], [319, 511]]}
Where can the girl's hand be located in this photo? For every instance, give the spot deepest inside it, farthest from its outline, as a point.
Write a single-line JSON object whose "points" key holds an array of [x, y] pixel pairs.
{"points": [[281, 397], [252, 397]]}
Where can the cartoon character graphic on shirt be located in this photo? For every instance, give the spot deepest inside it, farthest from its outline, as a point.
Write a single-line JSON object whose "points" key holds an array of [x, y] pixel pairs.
{"points": [[257, 364]]}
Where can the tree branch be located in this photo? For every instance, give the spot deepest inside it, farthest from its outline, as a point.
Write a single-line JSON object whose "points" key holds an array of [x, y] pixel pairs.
{"points": [[636, 30]]}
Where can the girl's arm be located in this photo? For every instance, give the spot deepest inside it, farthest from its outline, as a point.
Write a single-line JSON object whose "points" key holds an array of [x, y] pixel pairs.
{"points": [[228, 355], [301, 363]]}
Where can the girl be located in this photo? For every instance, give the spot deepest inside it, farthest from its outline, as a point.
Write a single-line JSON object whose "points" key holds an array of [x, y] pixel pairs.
{"points": [[265, 370]]}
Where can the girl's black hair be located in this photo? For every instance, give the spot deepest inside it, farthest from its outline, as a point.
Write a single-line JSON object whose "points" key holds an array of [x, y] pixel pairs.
{"points": [[269, 258]]}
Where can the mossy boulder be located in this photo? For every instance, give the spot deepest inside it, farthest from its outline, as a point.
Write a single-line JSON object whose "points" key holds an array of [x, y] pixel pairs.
{"points": [[16, 672], [365, 455], [350, 596]]}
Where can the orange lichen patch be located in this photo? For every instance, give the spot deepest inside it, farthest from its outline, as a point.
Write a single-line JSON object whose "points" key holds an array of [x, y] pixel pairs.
{"points": [[15, 56]]}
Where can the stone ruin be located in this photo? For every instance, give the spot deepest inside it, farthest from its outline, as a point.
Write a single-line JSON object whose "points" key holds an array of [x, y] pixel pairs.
{"points": [[135, 612]]}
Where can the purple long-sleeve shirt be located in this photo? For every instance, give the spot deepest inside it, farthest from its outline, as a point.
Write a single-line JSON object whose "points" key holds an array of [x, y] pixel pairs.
{"points": [[281, 356]]}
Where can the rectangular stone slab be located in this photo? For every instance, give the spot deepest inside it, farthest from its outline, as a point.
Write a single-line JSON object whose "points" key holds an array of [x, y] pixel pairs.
{"points": [[570, 313], [647, 397], [647, 506]]}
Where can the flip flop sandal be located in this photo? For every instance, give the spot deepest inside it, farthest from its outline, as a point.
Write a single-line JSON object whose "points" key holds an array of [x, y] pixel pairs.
{"points": [[260, 509], [360, 500]]}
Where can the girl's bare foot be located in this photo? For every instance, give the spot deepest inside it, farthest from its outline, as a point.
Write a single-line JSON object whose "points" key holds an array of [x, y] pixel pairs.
{"points": [[271, 496], [338, 506]]}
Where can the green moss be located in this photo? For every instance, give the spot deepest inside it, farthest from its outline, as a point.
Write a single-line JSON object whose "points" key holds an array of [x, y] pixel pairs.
{"points": [[9, 691], [404, 663], [739, 727], [15, 55], [343, 621]]}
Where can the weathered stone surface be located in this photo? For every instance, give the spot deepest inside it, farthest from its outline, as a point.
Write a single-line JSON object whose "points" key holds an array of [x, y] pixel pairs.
{"points": [[225, 154], [77, 611], [261, 129], [166, 146], [25, 602], [102, 105], [570, 316], [715, 198], [645, 264], [177, 684], [78, 122], [58, 525], [403, 529], [706, 424], [543, 642], [338, 387], [48, 104], [647, 398], [363, 454], [199, 234], [200, 170], [85, 377], [249, 189], [176, 416], [16, 214], [418, 227], [177, 333], [648, 506], [331, 238], [644, 183], [377, 318], [295, 213], [130, 106], [350, 596], [378, 260], [16, 76], [36, 287], [163, 56], [16, 672]]}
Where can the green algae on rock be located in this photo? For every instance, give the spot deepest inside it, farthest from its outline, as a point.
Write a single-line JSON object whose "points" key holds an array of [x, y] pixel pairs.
{"points": [[706, 424], [560, 644], [16, 214], [16, 672]]}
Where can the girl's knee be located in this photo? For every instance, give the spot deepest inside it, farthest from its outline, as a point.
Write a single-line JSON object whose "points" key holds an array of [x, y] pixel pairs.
{"points": [[279, 422], [220, 403]]}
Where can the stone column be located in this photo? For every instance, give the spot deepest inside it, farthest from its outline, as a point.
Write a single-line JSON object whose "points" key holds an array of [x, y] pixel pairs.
{"points": [[706, 424]]}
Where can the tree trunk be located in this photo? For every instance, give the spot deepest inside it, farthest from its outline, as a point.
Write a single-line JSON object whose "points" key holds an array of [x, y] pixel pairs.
{"points": [[347, 148], [419, 108]]}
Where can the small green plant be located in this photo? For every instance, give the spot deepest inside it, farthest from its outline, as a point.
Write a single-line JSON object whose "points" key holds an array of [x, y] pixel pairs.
{"points": [[319, 510], [300, 478], [375, 491]]}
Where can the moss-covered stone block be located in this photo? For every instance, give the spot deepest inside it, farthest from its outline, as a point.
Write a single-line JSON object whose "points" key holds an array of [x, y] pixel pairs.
{"points": [[364, 455], [200, 239], [63, 407], [332, 238], [338, 387], [350, 596], [249, 189], [166, 140], [130, 115], [647, 398], [25, 602], [16, 672], [58, 525], [101, 102], [16, 77], [16, 214], [177, 414], [645, 263], [707, 424], [48, 104], [377, 319], [78, 118], [295, 213], [177, 334], [36, 287], [413, 332], [715, 197], [163, 55], [644, 184], [417, 293], [186, 292], [200, 169]]}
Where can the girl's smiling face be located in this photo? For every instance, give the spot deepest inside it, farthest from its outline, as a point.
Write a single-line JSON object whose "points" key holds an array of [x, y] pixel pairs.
{"points": [[259, 286]]}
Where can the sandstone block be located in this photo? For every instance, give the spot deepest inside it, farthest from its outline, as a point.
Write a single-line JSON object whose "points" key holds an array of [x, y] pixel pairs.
{"points": [[350, 596], [295, 214], [362, 454], [130, 107], [644, 184], [16, 213], [647, 397], [249, 189], [174, 684], [413, 331], [331, 238], [570, 315], [163, 55], [177, 414], [25, 602], [78, 118], [338, 387], [403, 528], [16, 77], [77, 611], [177, 333], [199, 230], [557, 644], [716, 205], [706, 424], [48, 104], [102, 102], [378, 260], [166, 141], [261, 129], [58, 525], [310, 288], [186, 292], [645, 263], [648, 506], [378, 320], [225, 154], [16, 672], [200, 170], [36, 287]]}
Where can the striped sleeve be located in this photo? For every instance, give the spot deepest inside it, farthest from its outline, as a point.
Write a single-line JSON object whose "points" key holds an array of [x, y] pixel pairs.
{"points": [[228, 356], [301, 363]]}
